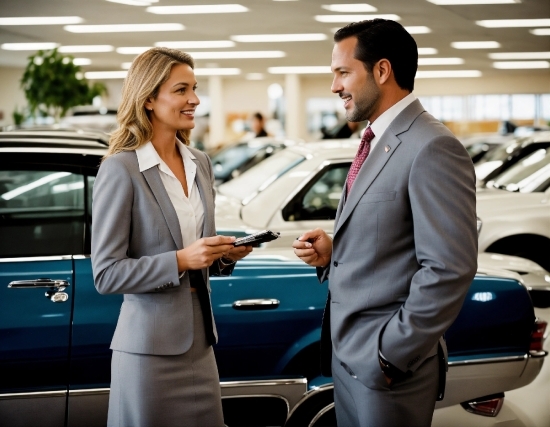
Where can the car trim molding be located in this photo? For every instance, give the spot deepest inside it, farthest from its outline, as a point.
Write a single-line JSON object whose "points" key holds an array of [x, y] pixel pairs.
{"points": [[38, 258], [58, 393], [490, 360]]}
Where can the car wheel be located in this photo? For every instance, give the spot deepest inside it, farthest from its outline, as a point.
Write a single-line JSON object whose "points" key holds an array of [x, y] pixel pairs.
{"points": [[532, 247]]}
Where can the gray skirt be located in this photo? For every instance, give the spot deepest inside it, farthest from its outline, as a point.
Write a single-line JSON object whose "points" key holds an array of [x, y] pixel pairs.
{"points": [[167, 391]]}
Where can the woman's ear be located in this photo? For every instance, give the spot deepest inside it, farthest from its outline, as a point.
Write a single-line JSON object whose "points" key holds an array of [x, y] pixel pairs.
{"points": [[148, 105]]}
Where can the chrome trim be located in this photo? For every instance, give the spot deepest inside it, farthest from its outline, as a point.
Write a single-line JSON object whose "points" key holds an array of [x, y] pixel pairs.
{"points": [[99, 151], [320, 414], [256, 304], [31, 395], [247, 396], [536, 354], [89, 392], [81, 256], [311, 393], [38, 258], [262, 383], [490, 360]]}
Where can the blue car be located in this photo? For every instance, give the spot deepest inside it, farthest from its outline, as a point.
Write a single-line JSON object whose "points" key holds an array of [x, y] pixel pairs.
{"points": [[55, 329]]}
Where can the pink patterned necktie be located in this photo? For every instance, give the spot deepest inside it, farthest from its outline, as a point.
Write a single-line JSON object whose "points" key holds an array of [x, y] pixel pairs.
{"points": [[362, 153]]}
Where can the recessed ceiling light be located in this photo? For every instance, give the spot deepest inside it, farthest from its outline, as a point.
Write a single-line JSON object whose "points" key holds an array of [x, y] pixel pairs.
{"points": [[476, 45], [418, 29], [254, 76], [198, 8], [507, 23], [470, 2], [29, 46], [239, 54], [100, 75], [350, 8], [207, 44], [125, 65], [217, 71], [135, 2], [264, 38], [42, 20], [123, 28], [440, 61], [540, 31], [517, 65], [82, 61], [132, 50], [86, 48], [520, 55], [427, 51], [447, 74], [353, 18], [321, 69]]}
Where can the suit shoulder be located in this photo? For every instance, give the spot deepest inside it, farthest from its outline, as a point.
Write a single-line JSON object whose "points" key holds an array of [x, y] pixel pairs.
{"points": [[125, 160], [428, 128]]}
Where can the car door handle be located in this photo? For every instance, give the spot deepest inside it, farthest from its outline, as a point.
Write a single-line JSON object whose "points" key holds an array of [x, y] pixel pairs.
{"points": [[256, 304], [58, 285]]}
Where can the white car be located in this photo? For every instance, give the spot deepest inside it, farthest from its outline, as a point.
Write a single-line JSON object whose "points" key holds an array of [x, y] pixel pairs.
{"points": [[299, 189]]}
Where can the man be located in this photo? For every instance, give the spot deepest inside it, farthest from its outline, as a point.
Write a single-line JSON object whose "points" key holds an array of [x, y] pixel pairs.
{"points": [[404, 248]]}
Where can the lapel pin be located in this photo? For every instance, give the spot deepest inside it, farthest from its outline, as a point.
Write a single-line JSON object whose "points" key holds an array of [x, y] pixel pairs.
{"points": [[387, 148]]}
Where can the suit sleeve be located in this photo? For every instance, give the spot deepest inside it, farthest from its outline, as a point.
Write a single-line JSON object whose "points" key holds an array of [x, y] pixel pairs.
{"points": [[443, 205], [114, 271]]}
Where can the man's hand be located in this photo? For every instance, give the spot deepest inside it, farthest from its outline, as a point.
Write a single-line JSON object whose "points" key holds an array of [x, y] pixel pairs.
{"points": [[314, 248], [204, 252]]}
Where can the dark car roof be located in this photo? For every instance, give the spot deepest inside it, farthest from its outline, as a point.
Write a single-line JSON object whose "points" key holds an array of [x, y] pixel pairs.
{"points": [[53, 140]]}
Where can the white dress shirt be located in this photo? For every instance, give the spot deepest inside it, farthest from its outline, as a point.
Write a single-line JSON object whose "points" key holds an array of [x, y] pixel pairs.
{"points": [[189, 209]]}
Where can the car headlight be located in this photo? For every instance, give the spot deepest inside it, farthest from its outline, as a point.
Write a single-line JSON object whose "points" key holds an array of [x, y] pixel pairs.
{"points": [[479, 224]]}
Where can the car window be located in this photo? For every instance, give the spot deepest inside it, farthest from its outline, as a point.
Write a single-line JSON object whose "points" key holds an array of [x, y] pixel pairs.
{"points": [[261, 176], [501, 153], [532, 174], [319, 199], [41, 212], [230, 158]]}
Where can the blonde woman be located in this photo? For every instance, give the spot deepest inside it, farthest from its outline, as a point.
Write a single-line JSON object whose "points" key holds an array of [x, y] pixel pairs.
{"points": [[154, 240]]}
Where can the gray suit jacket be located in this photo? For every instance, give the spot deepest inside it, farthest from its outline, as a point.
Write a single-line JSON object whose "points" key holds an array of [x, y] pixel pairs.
{"points": [[404, 248], [135, 236]]}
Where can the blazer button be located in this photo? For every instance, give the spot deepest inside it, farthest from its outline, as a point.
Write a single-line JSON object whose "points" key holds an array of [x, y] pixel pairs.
{"points": [[335, 263]]}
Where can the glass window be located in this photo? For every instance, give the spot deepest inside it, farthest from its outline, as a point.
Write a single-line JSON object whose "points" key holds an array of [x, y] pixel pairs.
{"points": [[532, 174], [319, 199], [523, 107], [41, 213]]}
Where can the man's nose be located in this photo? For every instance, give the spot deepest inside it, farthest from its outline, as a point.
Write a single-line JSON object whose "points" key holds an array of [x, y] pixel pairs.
{"points": [[336, 87]]}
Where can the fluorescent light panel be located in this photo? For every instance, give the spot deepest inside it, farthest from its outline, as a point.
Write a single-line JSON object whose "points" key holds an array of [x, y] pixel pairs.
{"points": [[207, 44], [321, 69], [514, 23], [239, 54], [476, 45], [217, 71], [41, 20], [418, 29], [123, 28], [520, 55], [29, 46], [132, 50], [447, 74], [519, 65], [100, 75], [427, 51], [82, 61], [353, 18], [470, 2], [350, 8], [264, 38], [540, 31], [86, 48], [196, 9], [440, 61], [135, 2], [254, 76]]}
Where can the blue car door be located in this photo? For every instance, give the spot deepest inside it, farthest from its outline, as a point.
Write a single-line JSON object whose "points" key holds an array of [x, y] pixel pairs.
{"points": [[42, 227]]}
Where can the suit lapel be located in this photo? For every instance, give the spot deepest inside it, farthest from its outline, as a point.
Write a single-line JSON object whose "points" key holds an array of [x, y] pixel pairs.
{"points": [[157, 187], [376, 161], [204, 186]]}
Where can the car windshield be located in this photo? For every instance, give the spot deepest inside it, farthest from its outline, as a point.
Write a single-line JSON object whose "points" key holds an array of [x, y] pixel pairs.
{"points": [[231, 158], [259, 177], [501, 153], [532, 174]]}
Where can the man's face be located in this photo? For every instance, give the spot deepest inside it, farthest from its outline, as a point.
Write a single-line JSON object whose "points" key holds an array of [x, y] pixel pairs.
{"points": [[353, 83]]}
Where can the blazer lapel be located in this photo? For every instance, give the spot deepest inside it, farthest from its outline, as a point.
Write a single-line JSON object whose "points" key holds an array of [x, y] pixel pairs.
{"points": [[376, 161], [157, 187], [204, 187]]}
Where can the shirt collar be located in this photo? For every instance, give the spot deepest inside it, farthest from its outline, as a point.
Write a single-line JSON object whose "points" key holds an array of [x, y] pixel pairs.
{"points": [[380, 125], [148, 157]]}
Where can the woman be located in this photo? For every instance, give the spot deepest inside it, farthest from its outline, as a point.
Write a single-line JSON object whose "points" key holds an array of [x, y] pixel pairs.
{"points": [[154, 241]]}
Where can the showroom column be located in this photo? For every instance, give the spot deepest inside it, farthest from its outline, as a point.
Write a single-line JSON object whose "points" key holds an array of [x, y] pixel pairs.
{"points": [[217, 117], [294, 115]]}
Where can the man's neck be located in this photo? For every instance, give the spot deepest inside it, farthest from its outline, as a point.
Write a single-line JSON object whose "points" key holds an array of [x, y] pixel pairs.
{"points": [[388, 100]]}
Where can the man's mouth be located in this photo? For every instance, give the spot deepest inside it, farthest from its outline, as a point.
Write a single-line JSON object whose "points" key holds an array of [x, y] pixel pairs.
{"points": [[346, 99]]}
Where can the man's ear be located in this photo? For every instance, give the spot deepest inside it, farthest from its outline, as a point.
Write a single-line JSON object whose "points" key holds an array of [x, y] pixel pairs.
{"points": [[383, 71]]}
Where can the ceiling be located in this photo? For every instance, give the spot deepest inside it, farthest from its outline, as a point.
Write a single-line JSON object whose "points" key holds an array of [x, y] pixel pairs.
{"points": [[447, 24]]}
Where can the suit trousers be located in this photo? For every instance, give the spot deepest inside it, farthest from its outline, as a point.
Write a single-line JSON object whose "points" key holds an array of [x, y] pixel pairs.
{"points": [[407, 403], [167, 391]]}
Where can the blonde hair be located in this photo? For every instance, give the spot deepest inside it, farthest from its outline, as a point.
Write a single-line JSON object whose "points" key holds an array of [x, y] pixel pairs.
{"points": [[147, 73]]}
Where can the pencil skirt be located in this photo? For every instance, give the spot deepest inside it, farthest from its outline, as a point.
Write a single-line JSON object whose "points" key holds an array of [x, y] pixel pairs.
{"points": [[167, 391]]}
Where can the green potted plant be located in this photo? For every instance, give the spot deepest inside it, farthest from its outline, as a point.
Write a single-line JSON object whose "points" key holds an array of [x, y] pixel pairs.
{"points": [[53, 83]]}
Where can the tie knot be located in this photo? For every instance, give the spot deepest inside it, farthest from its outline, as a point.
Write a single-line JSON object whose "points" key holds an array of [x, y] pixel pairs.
{"points": [[368, 135]]}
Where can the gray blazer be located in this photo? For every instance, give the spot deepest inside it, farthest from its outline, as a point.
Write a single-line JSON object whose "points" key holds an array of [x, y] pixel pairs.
{"points": [[135, 236], [404, 248]]}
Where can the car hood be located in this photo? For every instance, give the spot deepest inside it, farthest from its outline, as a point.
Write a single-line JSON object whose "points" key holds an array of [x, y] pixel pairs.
{"points": [[228, 217], [495, 202]]}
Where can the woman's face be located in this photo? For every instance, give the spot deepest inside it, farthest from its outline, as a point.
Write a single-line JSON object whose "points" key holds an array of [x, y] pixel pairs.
{"points": [[174, 107]]}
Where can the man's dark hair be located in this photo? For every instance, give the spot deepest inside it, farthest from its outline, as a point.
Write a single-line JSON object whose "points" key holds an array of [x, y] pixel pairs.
{"points": [[384, 39]]}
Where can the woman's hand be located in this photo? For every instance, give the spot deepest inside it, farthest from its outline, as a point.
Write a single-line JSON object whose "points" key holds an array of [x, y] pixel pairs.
{"points": [[203, 252], [237, 252]]}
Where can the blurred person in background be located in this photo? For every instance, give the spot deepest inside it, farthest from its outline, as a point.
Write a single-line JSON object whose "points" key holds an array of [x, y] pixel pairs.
{"points": [[257, 125]]}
